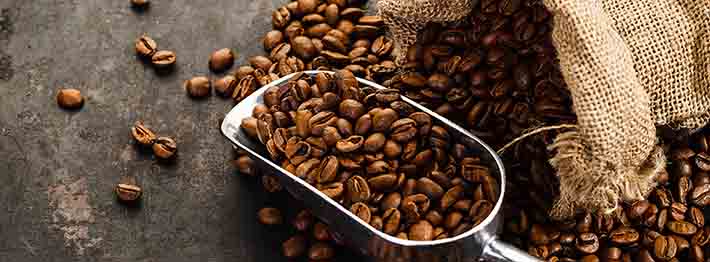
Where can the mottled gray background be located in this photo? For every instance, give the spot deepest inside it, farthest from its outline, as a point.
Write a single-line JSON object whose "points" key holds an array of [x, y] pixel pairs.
{"points": [[58, 168]]}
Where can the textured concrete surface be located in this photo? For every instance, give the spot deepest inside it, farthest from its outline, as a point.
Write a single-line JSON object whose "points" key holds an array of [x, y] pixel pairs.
{"points": [[58, 168]]}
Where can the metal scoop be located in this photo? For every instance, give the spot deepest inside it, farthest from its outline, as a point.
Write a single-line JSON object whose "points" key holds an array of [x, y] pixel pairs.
{"points": [[479, 242]]}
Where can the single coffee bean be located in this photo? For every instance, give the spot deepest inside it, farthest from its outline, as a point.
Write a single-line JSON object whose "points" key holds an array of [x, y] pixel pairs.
{"points": [[333, 190], [272, 39], [358, 189], [374, 142], [221, 60], [146, 46], [391, 218], [351, 109], [142, 134], [245, 165], [349, 144], [164, 147], [696, 217], [702, 161], [434, 217], [664, 247], [430, 188], [479, 211], [321, 232], [271, 184], [677, 211], [391, 200], [680, 242], [303, 47], [452, 220], [624, 236], [294, 247], [541, 252], [260, 62], [701, 195], [321, 251], [70, 98], [198, 87], [383, 182], [587, 243], [421, 231], [164, 59], [362, 211], [681, 227], [128, 192], [225, 85], [270, 216], [303, 220]]}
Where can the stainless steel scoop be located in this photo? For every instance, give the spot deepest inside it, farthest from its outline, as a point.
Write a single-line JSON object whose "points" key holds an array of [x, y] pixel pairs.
{"points": [[479, 242]]}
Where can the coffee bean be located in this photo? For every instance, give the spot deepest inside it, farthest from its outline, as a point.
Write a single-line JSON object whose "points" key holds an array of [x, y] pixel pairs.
{"points": [[349, 144], [142, 134], [303, 221], [357, 189], [164, 147], [421, 231], [225, 86], [221, 60], [198, 87], [321, 232], [681, 227], [696, 217], [587, 243], [701, 195], [245, 165], [362, 211], [624, 236], [146, 46], [164, 59], [677, 211], [128, 192], [391, 218], [270, 216], [70, 98], [664, 248], [294, 246], [430, 188], [702, 161]]}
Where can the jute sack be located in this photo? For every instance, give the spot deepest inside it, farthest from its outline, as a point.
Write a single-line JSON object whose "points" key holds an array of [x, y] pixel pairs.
{"points": [[629, 65]]}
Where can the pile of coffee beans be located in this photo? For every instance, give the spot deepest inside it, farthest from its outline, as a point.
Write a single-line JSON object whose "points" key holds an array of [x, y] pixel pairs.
{"points": [[495, 73], [670, 226], [310, 35], [391, 166]]}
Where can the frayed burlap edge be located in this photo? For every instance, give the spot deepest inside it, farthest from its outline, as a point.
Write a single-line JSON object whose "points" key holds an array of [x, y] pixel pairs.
{"points": [[588, 177]]}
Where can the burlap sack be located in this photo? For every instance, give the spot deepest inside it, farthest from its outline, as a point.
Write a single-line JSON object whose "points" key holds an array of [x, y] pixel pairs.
{"points": [[629, 65]]}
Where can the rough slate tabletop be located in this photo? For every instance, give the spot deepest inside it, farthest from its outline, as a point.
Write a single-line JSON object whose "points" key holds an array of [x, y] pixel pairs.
{"points": [[58, 168]]}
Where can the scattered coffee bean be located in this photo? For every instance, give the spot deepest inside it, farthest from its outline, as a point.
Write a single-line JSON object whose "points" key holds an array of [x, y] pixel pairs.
{"points": [[164, 147], [142, 134], [221, 60], [128, 192], [164, 59], [70, 98], [145, 46], [270, 216], [198, 87]]}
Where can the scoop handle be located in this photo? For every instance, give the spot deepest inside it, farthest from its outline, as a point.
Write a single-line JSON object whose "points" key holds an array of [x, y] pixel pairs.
{"points": [[497, 250]]}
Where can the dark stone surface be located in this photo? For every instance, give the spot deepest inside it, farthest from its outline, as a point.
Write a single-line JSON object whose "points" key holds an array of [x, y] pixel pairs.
{"points": [[58, 168]]}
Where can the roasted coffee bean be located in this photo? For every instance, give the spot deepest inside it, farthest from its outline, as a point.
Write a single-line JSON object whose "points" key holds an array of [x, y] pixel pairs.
{"points": [[164, 147], [357, 189], [624, 236], [163, 59], [681, 227], [451, 196], [303, 220], [221, 60], [434, 217], [587, 243], [270, 216], [452, 220], [702, 161], [479, 211], [403, 130], [146, 46], [430, 188], [391, 218], [198, 87], [70, 98], [362, 211], [271, 184], [680, 242], [422, 230], [664, 248], [701, 195], [245, 165], [384, 182], [374, 142], [351, 109], [303, 47], [321, 232], [695, 216], [350, 144], [140, 3], [142, 134], [225, 86], [677, 211], [333, 190], [294, 247], [128, 192], [683, 187]]}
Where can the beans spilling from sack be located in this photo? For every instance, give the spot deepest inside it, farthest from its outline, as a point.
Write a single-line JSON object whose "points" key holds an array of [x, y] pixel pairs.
{"points": [[393, 167]]}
